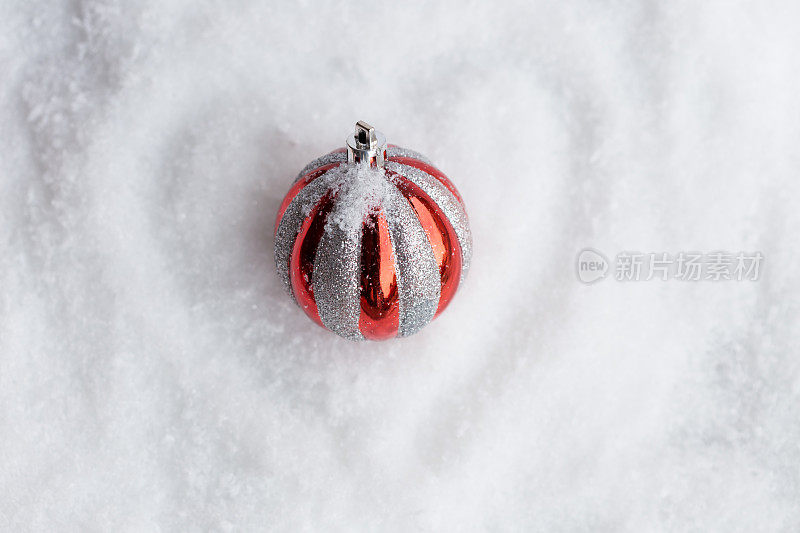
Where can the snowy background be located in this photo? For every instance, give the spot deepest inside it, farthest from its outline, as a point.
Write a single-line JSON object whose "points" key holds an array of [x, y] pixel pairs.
{"points": [[153, 375]]}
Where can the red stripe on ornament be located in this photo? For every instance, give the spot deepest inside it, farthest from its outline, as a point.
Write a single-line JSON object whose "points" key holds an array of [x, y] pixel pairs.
{"points": [[441, 235], [429, 169], [298, 186], [301, 264], [379, 298]]}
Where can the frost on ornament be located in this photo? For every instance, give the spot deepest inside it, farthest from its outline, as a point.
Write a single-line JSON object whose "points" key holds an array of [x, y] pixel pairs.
{"points": [[361, 191], [372, 241]]}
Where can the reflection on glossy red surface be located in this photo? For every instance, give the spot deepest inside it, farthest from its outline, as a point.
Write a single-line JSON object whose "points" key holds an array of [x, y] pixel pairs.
{"points": [[301, 264], [380, 308], [442, 237]]}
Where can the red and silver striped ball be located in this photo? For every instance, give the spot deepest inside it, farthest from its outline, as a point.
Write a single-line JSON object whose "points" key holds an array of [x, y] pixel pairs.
{"points": [[370, 252]]}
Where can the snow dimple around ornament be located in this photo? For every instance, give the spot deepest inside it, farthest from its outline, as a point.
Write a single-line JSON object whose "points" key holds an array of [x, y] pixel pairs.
{"points": [[372, 241]]}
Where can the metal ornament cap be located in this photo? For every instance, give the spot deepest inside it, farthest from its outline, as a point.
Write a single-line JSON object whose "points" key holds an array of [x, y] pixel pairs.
{"points": [[372, 241], [366, 145]]}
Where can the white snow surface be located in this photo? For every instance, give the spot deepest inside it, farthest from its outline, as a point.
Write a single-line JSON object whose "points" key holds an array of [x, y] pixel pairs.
{"points": [[154, 376]]}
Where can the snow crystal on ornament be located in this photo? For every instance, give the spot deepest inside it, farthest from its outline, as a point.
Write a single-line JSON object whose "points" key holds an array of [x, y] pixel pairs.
{"points": [[361, 192]]}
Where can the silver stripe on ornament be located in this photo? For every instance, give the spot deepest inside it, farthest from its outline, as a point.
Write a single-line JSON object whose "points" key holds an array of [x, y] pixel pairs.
{"points": [[335, 157], [450, 206], [289, 226], [418, 280], [399, 151], [337, 271]]}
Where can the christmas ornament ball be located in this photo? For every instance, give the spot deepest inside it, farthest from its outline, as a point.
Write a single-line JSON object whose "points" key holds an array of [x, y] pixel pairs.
{"points": [[372, 241]]}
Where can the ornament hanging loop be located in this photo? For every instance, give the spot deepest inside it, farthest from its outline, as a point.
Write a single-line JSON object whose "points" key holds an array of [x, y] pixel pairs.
{"points": [[366, 145]]}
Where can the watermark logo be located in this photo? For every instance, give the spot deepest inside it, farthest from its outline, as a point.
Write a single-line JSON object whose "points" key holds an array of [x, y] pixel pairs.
{"points": [[592, 266]]}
